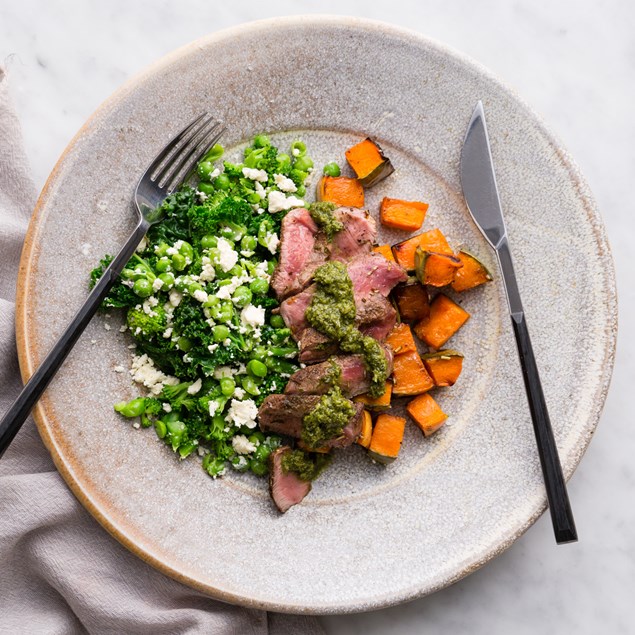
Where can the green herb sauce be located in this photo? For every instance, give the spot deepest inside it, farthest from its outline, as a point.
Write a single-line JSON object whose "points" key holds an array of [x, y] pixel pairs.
{"points": [[327, 420], [307, 468], [322, 214], [332, 312]]}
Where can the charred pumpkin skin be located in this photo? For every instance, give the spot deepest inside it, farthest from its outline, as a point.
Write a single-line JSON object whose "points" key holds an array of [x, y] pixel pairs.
{"points": [[445, 319], [426, 413], [341, 190], [367, 430], [413, 303], [472, 274], [434, 269], [432, 240], [376, 404], [387, 438], [444, 366], [400, 214], [369, 162]]}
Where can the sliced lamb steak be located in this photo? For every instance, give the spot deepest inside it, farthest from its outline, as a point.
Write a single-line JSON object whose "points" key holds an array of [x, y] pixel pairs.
{"points": [[315, 346], [354, 379], [286, 489], [283, 414], [372, 272], [356, 238], [302, 251]]}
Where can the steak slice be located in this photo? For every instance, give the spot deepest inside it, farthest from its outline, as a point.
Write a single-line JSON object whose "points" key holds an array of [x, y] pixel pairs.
{"points": [[315, 346], [373, 273], [356, 238], [293, 311], [283, 414], [302, 251], [286, 488], [381, 318], [354, 379]]}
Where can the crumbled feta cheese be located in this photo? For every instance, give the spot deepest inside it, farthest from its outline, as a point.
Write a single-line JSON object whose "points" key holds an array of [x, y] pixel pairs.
{"points": [[261, 270], [167, 407], [212, 347], [272, 241], [107, 326], [253, 315], [168, 332], [228, 257], [226, 291], [215, 172], [207, 271], [284, 183], [136, 425], [223, 371], [143, 243], [226, 342], [278, 202], [195, 387], [93, 341], [202, 196], [260, 190], [123, 328], [242, 445], [157, 284], [239, 393], [119, 369], [175, 297], [295, 152], [144, 372], [152, 301], [240, 462], [255, 175], [243, 413], [200, 295]]}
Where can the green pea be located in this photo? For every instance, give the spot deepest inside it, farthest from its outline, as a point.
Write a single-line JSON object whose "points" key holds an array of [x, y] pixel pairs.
{"points": [[168, 280], [239, 463], [211, 301], [259, 286], [259, 468], [142, 287], [227, 386], [261, 141], [262, 453], [193, 287], [254, 198], [236, 271], [257, 368], [250, 385], [301, 190], [303, 163], [331, 169], [256, 438], [220, 332], [271, 267], [226, 312], [163, 264], [187, 448], [161, 249], [214, 153], [186, 250], [204, 169], [242, 296], [259, 352], [284, 160], [248, 243], [160, 428], [214, 466], [276, 321], [176, 430], [298, 149], [178, 262], [134, 408], [184, 343], [209, 241], [206, 188], [222, 182]]}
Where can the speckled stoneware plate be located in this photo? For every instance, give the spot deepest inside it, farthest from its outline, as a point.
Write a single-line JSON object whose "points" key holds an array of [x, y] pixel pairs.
{"points": [[368, 536]]}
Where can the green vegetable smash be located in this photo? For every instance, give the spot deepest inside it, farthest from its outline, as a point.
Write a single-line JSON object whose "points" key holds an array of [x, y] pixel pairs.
{"points": [[332, 311]]}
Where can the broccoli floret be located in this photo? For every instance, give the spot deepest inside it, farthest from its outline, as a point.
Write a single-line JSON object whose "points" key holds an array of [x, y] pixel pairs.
{"points": [[153, 406], [217, 211], [148, 324], [178, 396]]}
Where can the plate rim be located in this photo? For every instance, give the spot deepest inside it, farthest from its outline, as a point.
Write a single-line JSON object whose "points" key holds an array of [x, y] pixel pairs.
{"points": [[43, 414]]}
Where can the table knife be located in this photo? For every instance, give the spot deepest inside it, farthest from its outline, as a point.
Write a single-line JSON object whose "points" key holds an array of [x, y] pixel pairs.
{"points": [[481, 195]]}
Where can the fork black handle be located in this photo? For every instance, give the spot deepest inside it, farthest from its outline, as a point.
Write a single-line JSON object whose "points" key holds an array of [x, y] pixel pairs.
{"points": [[559, 507], [22, 406]]}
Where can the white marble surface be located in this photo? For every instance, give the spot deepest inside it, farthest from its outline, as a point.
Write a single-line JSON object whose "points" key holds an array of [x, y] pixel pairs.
{"points": [[574, 62]]}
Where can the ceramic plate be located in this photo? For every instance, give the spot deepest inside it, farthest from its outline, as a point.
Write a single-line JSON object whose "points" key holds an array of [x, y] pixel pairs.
{"points": [[368, 536]]}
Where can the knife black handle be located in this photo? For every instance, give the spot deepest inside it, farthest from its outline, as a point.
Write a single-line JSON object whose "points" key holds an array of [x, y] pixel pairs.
{"points": [[561, 514]]}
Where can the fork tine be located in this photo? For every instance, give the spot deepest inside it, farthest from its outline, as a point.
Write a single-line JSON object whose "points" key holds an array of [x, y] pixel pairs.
{"points": [[194, 155], [173, 143], [166, 173]]}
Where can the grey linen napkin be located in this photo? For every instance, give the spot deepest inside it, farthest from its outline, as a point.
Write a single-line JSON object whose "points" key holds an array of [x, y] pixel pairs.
{"points": [[60, 572]]}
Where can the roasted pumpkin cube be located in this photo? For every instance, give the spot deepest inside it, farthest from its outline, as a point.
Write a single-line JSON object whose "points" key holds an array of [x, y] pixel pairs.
{"points": [[412, 301], [377, 404], [401, 339], [472, 274], [387, 438], [398, 214], [432, 240], [369, 162], [426, 413], [409, 375], [385, 251], [436, 270], [445, 319], [444, 366], [367, 430], [341, 190]]}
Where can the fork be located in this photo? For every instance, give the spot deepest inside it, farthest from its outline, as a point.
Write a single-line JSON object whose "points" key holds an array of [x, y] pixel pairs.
{"points": [[168, 171]]}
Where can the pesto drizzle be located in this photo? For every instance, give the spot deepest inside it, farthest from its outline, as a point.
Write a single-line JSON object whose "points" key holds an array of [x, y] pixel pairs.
{"points": [[322, 214], [327, 420], [307, 467]]}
